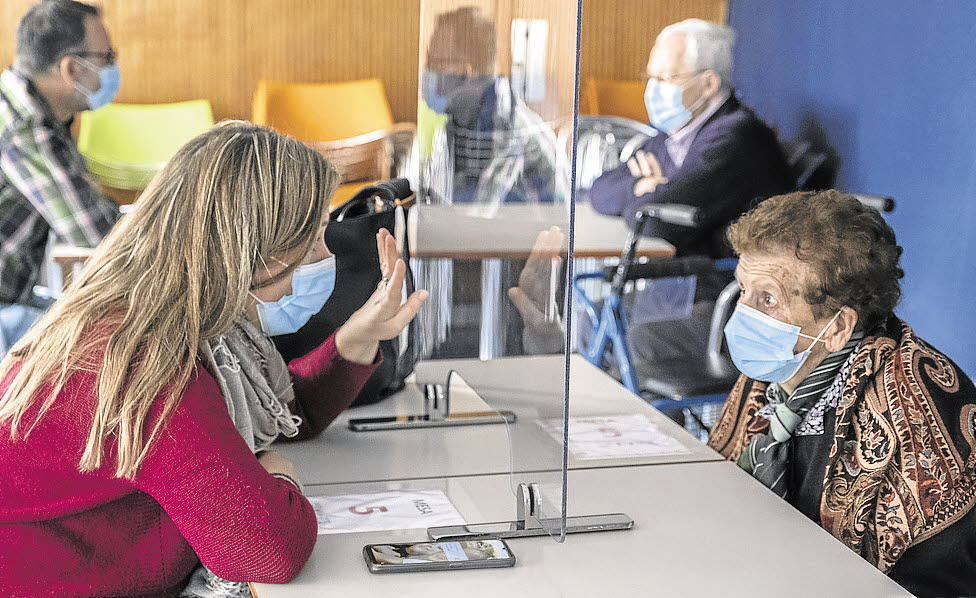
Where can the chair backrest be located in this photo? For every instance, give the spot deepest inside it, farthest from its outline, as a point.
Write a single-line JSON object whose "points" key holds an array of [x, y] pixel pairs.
{"points": [[141, 134], [602, 142], [362, 158], [323, 111], [724, 305], [428, 123], [803, 161], [609, 97], [809, 164]]}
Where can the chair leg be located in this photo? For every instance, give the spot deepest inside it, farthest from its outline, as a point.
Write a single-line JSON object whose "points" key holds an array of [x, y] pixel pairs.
{"points": [[618, 338], [599, 339], [610, 333]]}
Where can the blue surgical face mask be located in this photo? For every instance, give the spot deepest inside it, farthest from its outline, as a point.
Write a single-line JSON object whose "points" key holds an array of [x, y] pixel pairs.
{"points": [[437, 88], [762, 346], [664, 106], [311, 286], [109, 78]]}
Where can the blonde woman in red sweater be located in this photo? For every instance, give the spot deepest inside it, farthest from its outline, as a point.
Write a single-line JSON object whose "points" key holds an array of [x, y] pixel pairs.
{"points": [[122, 466]]}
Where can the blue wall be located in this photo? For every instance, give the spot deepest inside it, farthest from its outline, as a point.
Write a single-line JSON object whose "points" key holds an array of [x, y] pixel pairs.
{"points": [[891, 86]]}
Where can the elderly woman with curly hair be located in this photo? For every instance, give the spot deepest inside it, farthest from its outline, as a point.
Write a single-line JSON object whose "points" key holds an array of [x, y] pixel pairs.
{"points": [[841, 409]]}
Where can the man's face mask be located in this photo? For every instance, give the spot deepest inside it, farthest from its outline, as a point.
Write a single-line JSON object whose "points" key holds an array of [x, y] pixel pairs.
{"points": [[109, 78], [437, 88], [665, 108]]}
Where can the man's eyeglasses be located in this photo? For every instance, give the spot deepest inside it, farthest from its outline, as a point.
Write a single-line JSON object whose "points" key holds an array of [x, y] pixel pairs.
{"points": [[670, 78], [109, 57]]}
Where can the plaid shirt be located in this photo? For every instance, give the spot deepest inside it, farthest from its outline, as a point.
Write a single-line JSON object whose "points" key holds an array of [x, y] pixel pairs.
{"points": [[44, 187]]}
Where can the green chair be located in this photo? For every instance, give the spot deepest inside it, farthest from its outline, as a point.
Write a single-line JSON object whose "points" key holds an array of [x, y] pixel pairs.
{"points": [[127, 144]]}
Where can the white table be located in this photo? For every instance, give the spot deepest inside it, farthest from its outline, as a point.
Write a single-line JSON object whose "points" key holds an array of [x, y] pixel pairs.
{"points": [[492, 233], [485, 233], [702, 529], [532, 387], [473, 231]]}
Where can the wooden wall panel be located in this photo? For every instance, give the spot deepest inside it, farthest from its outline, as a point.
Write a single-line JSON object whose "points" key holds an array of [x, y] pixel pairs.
{"points": [[168, 53], [336, 40], [174, 50], [218, 49], [618, 34]]}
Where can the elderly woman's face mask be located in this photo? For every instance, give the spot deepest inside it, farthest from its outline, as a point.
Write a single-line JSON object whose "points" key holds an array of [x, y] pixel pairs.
{"points": [[762, 346], [766, 326]]}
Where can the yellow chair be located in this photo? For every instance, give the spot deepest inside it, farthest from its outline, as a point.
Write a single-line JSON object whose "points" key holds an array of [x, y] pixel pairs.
{"points": [[608, 97], [350, 123], [125, 145]]}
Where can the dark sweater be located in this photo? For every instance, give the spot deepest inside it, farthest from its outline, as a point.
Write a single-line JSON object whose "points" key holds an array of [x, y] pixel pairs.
{"points": [[733, 160]]}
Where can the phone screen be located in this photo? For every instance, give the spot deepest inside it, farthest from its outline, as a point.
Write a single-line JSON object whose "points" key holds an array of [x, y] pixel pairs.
{"points": [[439, 552]]}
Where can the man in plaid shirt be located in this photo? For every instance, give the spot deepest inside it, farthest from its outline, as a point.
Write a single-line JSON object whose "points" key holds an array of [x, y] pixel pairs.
{"points": [[62, 51]]}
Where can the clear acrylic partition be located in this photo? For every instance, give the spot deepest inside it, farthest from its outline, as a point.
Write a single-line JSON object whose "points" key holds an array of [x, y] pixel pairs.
{"points": [[490, 232]]}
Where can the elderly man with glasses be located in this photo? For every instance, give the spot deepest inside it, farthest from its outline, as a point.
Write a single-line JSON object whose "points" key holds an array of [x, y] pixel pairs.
{"points": [[65, 64], [712, 152]]}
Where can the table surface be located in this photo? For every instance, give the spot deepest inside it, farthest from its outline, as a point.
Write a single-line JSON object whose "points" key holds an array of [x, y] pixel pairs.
{"points": [[463, 232], [510, 230], [532, 387], [702, 529]]}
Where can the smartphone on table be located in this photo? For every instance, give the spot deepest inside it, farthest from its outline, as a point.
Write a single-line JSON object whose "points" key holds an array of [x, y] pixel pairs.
{"points": [[435, 556]]}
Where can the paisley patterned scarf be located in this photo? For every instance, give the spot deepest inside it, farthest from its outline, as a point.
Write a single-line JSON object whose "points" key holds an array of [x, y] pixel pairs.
{"points": [[901, 466]]}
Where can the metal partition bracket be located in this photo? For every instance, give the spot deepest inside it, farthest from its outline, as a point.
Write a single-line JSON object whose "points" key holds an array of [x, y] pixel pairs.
{"points": [[436, 414], [527, 524]]}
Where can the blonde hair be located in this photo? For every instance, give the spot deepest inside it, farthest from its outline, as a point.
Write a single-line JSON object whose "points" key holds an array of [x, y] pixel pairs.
{"points": [[174, 272]]}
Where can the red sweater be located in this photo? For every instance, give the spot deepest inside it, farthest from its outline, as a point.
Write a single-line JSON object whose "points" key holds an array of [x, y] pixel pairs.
{"points": [[199, 494]]}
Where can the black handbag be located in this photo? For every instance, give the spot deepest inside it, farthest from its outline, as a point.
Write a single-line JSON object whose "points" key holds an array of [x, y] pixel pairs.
{"points": [[351, 237]]}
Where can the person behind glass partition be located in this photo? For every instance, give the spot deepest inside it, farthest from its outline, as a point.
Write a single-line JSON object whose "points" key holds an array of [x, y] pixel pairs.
{"points": [[479, 146], [713, 153], [479, 142]]}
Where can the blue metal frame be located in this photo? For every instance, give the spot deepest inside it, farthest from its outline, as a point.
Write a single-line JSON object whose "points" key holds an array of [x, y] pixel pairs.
{"points": [[609, 327], [684, 403]]}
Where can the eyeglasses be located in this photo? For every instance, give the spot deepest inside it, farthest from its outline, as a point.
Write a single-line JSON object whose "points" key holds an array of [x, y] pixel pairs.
{"points": [[670, 78], [109, 57]]}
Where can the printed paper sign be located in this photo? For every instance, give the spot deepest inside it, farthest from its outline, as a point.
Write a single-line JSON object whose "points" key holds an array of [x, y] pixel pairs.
{"points": [[399, 509], [614, 437]]}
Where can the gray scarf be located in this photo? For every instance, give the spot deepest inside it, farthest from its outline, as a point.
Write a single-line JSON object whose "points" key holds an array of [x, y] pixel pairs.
{"points": [[255, 383]]}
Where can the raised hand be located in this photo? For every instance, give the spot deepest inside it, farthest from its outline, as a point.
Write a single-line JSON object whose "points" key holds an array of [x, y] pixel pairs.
{"points": [[383, 316], [534, 295]]}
